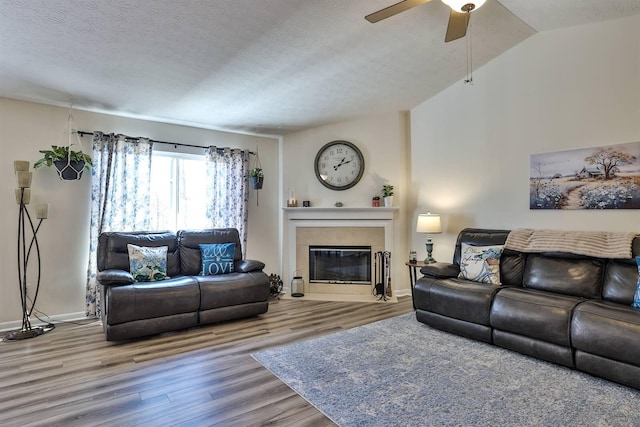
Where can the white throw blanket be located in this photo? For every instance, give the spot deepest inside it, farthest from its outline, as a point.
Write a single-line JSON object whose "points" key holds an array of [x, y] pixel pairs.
{"points": [[600, 244]]}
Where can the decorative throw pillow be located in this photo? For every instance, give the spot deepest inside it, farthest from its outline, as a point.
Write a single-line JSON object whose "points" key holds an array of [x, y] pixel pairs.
{"points": [[217, 258], [636, 297], [480, 263], [148, 264]]}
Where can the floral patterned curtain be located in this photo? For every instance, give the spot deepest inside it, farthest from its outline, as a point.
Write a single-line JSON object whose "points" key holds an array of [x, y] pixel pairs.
{"points": [[120, 190], [228, 189]]}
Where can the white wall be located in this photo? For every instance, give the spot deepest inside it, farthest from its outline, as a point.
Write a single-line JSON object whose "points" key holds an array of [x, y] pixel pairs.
{"points": [[383, 141], [559, 90], [26, 128]]}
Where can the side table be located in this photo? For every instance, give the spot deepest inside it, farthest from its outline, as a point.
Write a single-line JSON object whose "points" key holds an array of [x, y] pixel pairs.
{"points": [[413, 267]]}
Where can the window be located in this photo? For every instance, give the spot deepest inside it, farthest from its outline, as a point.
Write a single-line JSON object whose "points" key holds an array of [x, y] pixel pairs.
{"points": [[178, 191]]}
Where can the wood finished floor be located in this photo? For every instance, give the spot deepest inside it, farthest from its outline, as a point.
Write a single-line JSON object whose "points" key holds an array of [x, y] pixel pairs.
{"points": [[202, 376]]}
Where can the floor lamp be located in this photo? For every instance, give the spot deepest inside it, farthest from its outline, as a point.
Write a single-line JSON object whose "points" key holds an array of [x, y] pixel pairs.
{"points": [[429, 223], [27, 242]]}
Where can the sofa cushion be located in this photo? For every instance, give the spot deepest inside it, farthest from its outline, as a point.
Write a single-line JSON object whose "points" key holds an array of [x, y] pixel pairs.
{"points": [[607, 329], [148, 300], [541, 315], [217, 258], [512, 265], [480, 263], [620, 281], [113, 253], [190, 241], [568, 275], [232, 289], [148, 264], [456, 298]]}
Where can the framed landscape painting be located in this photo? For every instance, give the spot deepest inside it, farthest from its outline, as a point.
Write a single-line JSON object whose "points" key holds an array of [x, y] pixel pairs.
{"points": [[605, 177]]}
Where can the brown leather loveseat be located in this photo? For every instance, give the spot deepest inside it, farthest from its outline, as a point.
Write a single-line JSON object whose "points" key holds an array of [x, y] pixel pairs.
{"points": [[574, 310], [187, 298]]}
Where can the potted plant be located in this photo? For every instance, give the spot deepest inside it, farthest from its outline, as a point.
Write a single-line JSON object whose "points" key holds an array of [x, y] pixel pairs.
{"points": [[257, 178], [387, 195], [70, 164]]}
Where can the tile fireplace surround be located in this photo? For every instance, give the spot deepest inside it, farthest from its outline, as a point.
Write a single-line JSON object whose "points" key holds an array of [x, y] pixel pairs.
{"points": [[334, 226]]}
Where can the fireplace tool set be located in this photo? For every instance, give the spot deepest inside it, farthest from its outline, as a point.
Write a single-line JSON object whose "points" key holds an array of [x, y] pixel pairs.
{"points": [[382, 270]]}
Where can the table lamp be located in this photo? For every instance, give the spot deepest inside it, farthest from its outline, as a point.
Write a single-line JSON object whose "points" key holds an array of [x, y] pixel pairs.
{"points": [[429, 223]]}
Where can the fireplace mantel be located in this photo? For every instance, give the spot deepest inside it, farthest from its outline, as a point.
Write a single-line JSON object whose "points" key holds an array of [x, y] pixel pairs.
{"points": [[343, 213]]}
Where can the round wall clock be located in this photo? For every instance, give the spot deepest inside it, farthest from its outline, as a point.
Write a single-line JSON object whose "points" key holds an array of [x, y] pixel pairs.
{"points": [[339, 165]]}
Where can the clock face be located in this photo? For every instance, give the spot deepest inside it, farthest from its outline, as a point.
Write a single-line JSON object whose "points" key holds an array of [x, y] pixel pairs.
{"points": [[339, 165]]}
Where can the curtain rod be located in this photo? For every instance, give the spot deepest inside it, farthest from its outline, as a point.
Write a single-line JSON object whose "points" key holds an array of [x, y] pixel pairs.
{"points": [[177, 144]]}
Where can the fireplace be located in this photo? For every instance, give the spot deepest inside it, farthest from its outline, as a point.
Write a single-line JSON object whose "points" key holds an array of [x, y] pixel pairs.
{"points": [[349, 265], [330, 227]]}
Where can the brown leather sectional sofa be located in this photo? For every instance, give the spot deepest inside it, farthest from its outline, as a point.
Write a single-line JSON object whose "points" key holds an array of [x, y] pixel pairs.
{"points": [[133, 309], [573, 310]]}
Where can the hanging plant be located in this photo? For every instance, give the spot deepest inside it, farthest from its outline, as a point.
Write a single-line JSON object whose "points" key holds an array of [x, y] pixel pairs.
{"points": [[70, 164], [257, 178]]}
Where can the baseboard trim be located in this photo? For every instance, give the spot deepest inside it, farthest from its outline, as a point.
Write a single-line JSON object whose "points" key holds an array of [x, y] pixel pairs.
{"points": [[58, 318]]}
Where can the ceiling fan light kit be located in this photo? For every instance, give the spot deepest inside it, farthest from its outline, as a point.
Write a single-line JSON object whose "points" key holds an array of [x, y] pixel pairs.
{"points": [[462, 6]]}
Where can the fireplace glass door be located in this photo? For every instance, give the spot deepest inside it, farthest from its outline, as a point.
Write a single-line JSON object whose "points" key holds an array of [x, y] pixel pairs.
{"points": [[340, 264]]}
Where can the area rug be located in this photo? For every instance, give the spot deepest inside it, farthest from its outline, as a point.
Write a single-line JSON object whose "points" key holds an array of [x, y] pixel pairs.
{"points": [[399, 372]]}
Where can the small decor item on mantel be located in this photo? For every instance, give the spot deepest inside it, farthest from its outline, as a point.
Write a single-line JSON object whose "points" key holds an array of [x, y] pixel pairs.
{"points": [[69, 163], [292, 202], [375, 202], [387, 194]]}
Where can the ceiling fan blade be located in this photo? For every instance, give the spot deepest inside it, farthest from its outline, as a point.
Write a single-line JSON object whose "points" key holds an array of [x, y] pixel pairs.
{"points": [[393, 10], [458, 23]]}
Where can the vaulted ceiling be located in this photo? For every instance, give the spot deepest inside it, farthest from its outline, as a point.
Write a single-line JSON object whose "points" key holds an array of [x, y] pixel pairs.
{"points": [[263, 66]]}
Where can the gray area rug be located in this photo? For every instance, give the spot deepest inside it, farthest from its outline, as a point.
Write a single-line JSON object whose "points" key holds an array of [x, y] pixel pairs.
{"points": [[399, 372]]}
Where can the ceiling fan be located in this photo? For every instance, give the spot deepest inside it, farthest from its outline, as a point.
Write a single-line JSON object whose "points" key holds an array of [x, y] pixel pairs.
{"points": [[458, 18]]}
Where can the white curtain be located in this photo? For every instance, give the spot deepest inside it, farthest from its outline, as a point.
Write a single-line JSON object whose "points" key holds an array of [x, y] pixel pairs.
{"points": [[228, 189], [120, 188]]}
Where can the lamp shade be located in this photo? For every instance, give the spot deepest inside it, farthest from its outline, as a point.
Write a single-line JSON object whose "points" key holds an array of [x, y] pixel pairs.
{"points": [[429, 223], [24, 179], [20, 166], [459, 5], [42, 211]]}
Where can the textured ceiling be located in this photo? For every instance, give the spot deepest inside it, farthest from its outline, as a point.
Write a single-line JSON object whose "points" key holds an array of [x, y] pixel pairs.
{"points": [[265, 66]]}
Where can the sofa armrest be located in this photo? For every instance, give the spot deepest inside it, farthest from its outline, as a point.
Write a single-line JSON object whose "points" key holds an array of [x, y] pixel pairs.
{"points": [[114, 277], [441, 270], [247, 265]]}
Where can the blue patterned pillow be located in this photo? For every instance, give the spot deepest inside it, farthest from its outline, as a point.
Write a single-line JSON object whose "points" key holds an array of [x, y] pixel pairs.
{"points": [[636, 297], [217, 258], [148, 264], [480, 263]]}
